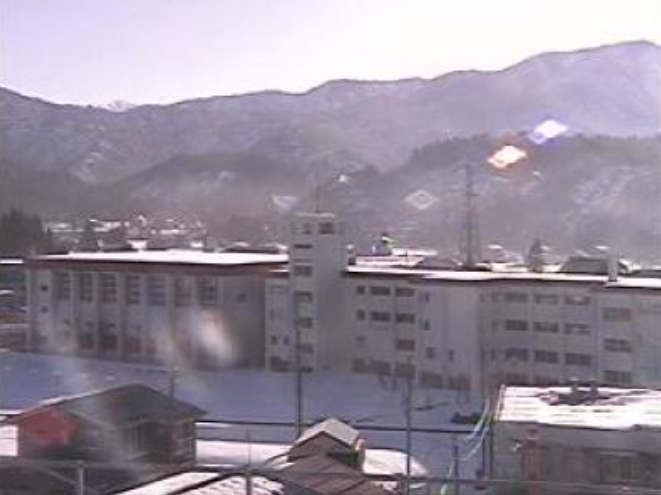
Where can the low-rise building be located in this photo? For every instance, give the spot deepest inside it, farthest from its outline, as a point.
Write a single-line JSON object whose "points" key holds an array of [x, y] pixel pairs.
{"points": [[198, 309], [131, 423], [579, 439]]}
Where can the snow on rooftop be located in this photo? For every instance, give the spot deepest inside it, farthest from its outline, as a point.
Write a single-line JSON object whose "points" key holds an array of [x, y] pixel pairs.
{"points": [[429, 274], [612, 409], [175, 256]]}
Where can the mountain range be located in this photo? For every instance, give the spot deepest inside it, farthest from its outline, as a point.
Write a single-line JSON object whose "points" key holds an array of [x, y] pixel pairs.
{"points": [[229, 154]]}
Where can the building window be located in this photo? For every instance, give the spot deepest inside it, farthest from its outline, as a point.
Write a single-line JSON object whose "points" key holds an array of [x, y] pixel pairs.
{"points": [[86, 287], [545, 299], [425, 325], [107, 337], [405, 345], [132, 344], [306, 348], [305, 322], [577, 329], [516, 297], [306, 228], [361, 341], [450, 355], [360, 289], [241, 298], [207, 291], [133, 289], [425, 297], [302, 270], [546, 357], [360, 366], [183, 291], [616, 468], [379, 290], [274, 339], [380, 316], [516, 354], [303, 296], [62, 286], [303, 246], [617, 377], [108, 286], [577, 300], [617, 345], [617, 314], [360, 314], [545, 327], [404, 292], [516, 325], [326, 228], [156, 290], [405, 318], [285, 340], [573, 359], [431, 352]]}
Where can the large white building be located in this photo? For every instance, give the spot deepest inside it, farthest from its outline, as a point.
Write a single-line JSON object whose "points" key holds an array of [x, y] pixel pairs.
{"points": [[205, 309], [465, 330]]}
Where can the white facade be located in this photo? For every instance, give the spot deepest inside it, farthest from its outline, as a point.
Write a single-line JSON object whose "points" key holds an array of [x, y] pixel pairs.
{"points": [[145, 307], [465, 330]]}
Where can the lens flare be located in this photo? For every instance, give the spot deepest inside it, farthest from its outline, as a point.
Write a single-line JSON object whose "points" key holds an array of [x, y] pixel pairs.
{"points": [[507, 156], [546, 131], [421, 199]]}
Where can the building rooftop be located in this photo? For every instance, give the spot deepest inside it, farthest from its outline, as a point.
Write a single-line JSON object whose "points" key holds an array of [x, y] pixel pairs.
{"points": [[607, 409], [431, 275], [171, 256], [123, 404], [332, 427], [205, 483]]}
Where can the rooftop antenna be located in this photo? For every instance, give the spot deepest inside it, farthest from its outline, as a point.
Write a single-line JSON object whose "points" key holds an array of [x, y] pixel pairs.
{"points": [[471, 228]]}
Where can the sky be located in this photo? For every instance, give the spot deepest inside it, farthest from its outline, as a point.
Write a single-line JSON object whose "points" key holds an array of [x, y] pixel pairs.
{"points": [[161, 51]]}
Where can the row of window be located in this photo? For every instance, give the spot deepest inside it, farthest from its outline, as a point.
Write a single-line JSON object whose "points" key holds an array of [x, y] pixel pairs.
{"points": [[544, 327], [550, 299], [380, 290], [550, 357], [134, 288], [385, 316]]}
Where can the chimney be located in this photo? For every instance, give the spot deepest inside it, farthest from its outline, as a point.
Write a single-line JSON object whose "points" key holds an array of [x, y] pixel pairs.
{"points": [[594, 391], [612, 267]]}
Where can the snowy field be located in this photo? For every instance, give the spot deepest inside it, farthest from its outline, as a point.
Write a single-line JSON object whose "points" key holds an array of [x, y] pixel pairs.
{"points": [[255, 395]]}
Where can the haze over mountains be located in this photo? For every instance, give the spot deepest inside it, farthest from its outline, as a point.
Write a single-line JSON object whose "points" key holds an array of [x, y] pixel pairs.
{"points": [[230, 154]]}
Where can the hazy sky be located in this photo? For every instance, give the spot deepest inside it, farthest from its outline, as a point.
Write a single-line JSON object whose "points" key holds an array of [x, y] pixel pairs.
{"points": [[96, 51]]}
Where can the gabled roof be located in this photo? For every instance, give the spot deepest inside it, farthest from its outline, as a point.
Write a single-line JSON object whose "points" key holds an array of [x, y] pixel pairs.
{"points": [[332, 427], [125, 404]]}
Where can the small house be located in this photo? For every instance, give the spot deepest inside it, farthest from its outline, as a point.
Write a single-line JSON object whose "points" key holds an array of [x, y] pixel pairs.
{"points": [[331, 438], [127, 423]]}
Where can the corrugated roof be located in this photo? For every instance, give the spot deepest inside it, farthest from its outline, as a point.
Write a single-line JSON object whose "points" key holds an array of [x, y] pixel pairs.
{"points": [[325, 476]]}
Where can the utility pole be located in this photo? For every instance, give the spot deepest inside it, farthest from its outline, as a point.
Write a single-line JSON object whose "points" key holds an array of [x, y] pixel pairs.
{"points": [[80, 478], [455, 465], [298, 371], [409, 425]]}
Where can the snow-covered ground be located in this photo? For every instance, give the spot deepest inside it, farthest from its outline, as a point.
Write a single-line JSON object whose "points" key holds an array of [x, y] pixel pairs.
{"points": [[255, 395]]}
